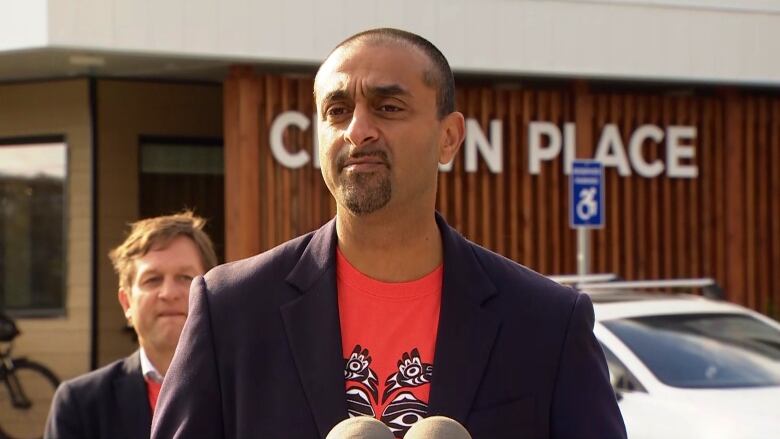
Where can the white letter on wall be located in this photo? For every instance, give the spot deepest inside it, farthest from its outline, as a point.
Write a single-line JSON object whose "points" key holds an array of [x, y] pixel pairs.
{"points": [[675, 151], [610, 151], [641, 167], [280, 153], [490, 150], [569, 145], [536, 153], [315, 141]]}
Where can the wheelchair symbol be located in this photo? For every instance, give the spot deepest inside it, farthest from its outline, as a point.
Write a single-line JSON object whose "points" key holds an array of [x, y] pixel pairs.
{"points": [[587, 207]]}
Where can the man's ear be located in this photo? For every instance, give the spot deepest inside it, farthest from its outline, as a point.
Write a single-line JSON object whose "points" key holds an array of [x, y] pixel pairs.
{"points": [[453, 132], [124, 300]]}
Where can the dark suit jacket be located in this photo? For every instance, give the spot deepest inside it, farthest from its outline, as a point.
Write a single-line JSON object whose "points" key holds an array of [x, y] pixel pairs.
{"points": [[261, 357], [108, 403]]}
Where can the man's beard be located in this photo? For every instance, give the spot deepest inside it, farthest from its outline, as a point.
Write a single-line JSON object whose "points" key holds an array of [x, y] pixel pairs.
{"points": [[365, 193]]}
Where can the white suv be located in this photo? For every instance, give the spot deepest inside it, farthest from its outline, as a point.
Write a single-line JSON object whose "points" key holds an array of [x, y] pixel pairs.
{"points": [[684, 366]]}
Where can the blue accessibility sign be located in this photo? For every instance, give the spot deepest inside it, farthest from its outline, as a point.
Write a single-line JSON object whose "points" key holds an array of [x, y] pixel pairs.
{"points": [[586, 199]]}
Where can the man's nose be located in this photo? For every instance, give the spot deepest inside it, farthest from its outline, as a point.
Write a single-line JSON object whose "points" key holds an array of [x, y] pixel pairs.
{"points": [[170, 289], [362, 128]]}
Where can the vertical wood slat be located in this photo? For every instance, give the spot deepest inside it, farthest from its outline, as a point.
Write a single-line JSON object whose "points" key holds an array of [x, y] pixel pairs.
{"points": [[553, 240], [640, 208], [499, 182], [471, 178], [242, 208], [540, 214], [750, 201], [600, 240], [734, 164], [514, 145], [680, 201], [614, 186], [719, 183], [300, 210], [567, 259], [705, 190], [270, 90], [668, 263], [628, 219], [320, 193], [485, 187], [309, 190], [266, 166], [693, 225], [529, 232], [762, 217], [458, 175], [655, 255], [284, 203]]}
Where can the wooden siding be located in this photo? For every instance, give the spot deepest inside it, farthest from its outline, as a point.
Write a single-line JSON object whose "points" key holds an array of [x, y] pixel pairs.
{"points": [[725, 223]]}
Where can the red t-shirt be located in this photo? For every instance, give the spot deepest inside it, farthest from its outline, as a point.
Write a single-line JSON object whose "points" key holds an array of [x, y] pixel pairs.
{"points": [[388, 334]]}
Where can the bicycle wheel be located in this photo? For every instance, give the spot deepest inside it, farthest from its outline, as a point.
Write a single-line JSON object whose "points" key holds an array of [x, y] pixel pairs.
{"points": [[38, 384]]}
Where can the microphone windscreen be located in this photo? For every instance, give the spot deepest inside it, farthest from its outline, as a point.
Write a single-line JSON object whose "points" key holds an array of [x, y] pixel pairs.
{"points": [[360, 427], [437, 427]]}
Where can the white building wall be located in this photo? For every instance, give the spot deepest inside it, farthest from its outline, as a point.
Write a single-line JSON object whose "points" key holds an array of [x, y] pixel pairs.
{"points": [[22, 24], [699, 40]]}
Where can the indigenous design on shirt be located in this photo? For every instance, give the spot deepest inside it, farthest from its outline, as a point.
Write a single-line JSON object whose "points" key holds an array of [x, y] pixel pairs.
{"points": [[357, 370], [412, 372], [404, 409]]}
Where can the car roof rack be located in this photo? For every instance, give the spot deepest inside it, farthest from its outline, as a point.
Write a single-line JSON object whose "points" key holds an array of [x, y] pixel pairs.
{"points": [[659, 283], [710, 288], [576, 279]]}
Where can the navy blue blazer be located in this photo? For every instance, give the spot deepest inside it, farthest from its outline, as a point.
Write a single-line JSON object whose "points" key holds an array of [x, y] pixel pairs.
{"points": [[261, 356], [110, 402]]}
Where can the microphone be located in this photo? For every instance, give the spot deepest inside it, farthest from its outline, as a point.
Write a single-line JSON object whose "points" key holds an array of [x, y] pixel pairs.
{"points": [[437, 427], [360, 427]]}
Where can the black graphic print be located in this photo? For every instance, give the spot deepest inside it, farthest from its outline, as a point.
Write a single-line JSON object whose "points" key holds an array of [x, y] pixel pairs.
{"points": [[403, 412], [412, 372], [356, 369], [358, 403], [363, 391]]}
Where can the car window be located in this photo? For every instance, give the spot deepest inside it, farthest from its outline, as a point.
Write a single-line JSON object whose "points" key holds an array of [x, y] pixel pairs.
{"points": [[704, 350], [619, 375]]}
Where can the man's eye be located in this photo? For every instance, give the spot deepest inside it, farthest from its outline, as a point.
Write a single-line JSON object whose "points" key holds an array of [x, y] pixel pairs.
{"points": [[185, 278], [152, 280], [336, 111], [387, 108]]}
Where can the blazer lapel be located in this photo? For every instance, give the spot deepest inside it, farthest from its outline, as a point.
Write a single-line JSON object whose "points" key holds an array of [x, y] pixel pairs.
{"points": [[466, 331], [132, 400], [314, 331]]}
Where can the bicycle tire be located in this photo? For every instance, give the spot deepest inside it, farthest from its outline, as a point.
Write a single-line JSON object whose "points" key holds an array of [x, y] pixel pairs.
{"points": [[39, 384]]}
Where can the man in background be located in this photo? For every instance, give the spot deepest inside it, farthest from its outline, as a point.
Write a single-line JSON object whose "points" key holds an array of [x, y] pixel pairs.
{"points": [[155, 265]]}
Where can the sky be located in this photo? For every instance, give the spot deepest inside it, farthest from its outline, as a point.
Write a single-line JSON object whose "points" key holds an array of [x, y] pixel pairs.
{"points": [[29, 160]]}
